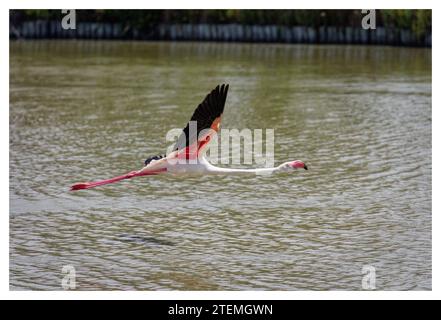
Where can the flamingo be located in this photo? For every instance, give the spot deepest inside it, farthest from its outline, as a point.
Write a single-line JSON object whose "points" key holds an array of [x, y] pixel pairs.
{"points": [[191, 146]]}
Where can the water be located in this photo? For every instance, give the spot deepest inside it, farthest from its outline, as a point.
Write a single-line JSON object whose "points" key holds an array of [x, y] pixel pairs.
{"points": [[360, 117]]}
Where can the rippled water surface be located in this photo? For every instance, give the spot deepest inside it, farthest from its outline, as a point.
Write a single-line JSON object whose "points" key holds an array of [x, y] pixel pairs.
{"points": [[360, 117]]}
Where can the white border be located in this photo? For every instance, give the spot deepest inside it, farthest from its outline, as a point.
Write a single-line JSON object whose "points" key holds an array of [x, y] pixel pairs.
{"points": [[226, 4], [165, 295]]}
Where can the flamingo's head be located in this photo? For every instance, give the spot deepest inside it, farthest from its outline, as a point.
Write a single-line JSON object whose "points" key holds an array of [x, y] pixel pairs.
{"points": [[293, 165]]}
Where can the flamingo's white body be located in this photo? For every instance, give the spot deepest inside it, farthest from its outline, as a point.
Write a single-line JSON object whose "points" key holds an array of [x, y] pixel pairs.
{"points": [[188, 155], [203, 167]]}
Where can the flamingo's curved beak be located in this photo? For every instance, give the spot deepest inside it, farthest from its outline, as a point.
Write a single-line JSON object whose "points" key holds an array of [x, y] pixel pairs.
{"points": [[298, 165]]}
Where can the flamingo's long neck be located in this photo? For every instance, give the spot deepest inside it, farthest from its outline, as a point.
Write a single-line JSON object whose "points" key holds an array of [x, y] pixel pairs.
{"points": [[217, 170], [228, 171]]}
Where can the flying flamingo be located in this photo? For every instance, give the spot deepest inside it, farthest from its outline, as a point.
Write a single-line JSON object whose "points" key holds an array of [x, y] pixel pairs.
{"points": [[191, 145]]}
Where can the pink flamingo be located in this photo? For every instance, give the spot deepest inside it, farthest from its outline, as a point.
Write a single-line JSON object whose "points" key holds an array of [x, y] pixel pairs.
{"points": [[191, 145]]}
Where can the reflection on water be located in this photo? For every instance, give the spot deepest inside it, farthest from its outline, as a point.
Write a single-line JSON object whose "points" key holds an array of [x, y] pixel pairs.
{"points": [[360, 117]]}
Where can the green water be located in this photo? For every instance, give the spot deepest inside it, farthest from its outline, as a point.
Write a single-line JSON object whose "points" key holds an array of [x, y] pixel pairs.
{"points": [[360, 117]]}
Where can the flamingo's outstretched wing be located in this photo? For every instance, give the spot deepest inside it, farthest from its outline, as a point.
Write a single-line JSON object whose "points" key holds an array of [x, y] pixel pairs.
{"points": [[207, 115]]}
